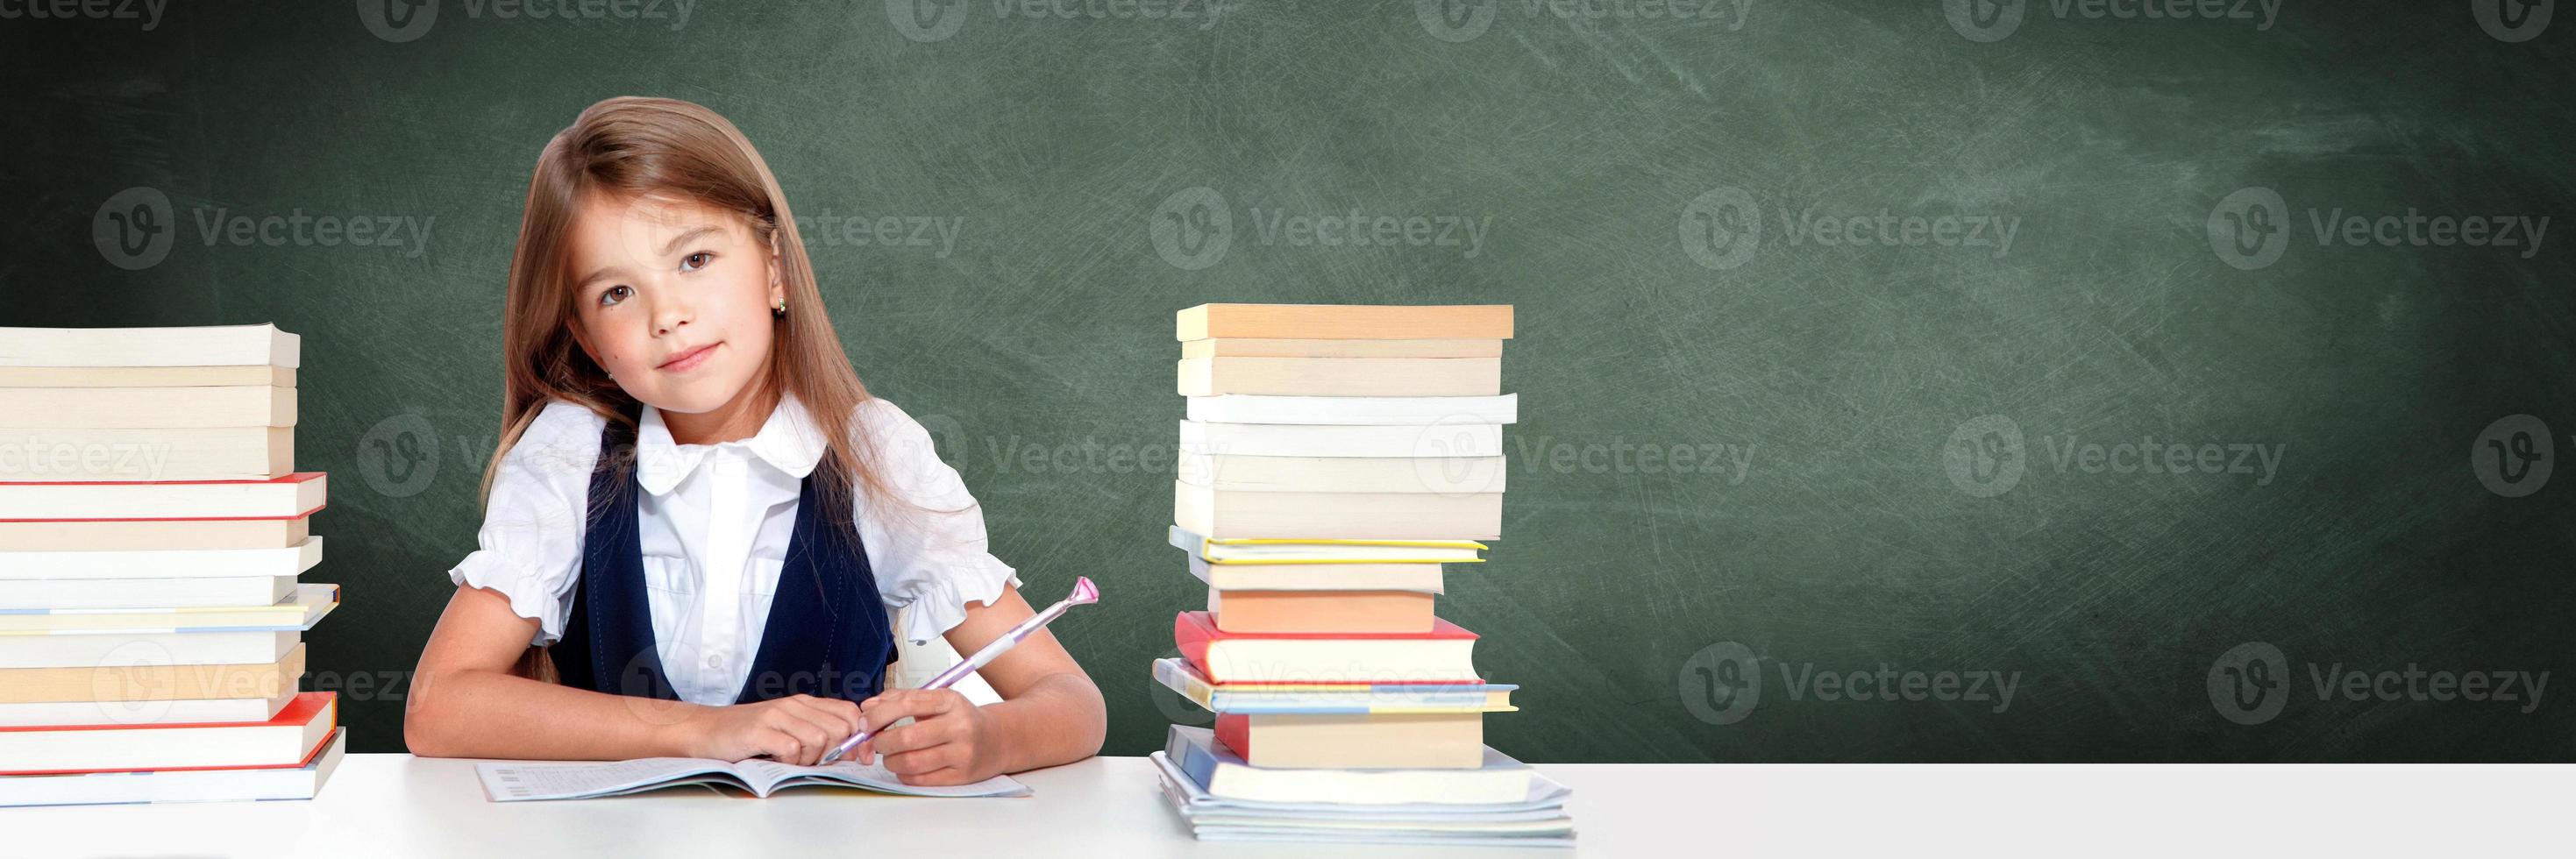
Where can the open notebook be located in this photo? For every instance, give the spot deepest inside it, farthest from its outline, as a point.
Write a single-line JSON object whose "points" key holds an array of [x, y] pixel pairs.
{"points": [[520, 781]]}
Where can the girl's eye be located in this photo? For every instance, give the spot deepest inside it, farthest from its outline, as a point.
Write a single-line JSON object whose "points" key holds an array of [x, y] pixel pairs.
{"points": [[696, 261], [611, 296]]}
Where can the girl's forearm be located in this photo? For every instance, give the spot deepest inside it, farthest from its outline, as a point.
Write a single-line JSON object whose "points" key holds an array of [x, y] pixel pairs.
{"points": [[491, 714], [1058, 720]]}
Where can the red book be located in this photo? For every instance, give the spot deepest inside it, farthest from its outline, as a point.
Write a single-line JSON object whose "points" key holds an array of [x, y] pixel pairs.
{"points": [[1446, 654], [286, 739], [290, 497]]}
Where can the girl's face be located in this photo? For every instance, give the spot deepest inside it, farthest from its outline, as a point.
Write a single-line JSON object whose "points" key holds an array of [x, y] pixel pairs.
{"points": [[673, 298]]}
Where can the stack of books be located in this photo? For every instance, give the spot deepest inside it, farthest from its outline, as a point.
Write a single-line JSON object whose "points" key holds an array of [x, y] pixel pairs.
{"points": [[1333, 460], [152, 527]]}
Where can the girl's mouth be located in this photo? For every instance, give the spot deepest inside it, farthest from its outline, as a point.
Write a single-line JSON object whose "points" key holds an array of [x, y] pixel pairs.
{"points": [[689, 360]]}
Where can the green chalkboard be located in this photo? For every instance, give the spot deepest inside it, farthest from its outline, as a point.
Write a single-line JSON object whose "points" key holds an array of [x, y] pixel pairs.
{"points": [[2194, 377]]}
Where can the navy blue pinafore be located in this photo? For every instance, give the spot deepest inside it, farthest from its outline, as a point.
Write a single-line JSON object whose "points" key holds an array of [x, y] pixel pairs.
{"points": [[827, 634]]}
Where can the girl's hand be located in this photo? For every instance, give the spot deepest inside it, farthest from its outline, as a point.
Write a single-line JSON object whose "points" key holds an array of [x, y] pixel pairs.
{"points": [[794, 730], [949, 741]]}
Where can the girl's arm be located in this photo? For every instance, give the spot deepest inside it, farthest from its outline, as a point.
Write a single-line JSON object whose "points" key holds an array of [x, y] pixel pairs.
{"points": [[466, 702], [1050, 713]]}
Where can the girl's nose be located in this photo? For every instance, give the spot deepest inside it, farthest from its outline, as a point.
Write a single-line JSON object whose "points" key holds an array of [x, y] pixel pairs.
{"points": [[671, 312]]}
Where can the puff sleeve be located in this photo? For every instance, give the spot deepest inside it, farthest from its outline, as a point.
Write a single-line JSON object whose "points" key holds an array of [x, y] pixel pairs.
{"points": [[529, 548], [930, 556]]}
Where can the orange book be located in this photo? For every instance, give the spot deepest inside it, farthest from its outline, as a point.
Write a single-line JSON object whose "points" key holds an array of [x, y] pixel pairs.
{"points": [[1320, 611], [1345, 322], [1355, 740]]}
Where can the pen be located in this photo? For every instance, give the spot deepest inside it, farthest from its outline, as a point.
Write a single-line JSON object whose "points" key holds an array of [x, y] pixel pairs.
{"points": [[1084, 593]]}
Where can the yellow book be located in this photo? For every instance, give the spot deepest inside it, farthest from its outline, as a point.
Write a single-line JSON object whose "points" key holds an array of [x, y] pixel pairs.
{"points": [[1256, 550]]}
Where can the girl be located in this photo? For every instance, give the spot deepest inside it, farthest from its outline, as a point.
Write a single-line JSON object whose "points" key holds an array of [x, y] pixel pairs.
{"points": [[697, 516]]}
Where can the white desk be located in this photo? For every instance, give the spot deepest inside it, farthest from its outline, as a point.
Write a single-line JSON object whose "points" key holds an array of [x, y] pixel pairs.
{"points": [[397, 805]]}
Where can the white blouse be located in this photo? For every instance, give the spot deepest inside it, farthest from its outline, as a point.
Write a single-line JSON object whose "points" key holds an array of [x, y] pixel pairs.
{"points": [[714, 523]]}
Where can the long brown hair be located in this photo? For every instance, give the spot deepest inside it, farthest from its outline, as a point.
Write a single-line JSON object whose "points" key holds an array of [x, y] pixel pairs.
{"points": [[674, 149]]}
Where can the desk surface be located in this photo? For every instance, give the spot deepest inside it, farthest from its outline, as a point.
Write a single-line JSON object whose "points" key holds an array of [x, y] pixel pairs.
{"points": [[397, 805]]}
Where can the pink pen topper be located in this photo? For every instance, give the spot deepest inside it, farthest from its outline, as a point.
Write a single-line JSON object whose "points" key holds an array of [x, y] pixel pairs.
{"points": [[1084, 593]]}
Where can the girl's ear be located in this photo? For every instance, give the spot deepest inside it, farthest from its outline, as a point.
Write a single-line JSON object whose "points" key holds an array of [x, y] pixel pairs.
{"points": [[777, 287]]}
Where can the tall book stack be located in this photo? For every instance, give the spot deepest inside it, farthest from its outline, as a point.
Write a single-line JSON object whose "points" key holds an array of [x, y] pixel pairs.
{"points": [[152, 527], [1334, 459]]}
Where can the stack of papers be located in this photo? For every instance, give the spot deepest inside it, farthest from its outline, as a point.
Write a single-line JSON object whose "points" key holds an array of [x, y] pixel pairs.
{"points": [[1305, 810]]}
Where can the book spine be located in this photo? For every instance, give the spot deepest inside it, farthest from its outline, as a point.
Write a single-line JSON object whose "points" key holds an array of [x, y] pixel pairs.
{"points": [[1193, 642]]}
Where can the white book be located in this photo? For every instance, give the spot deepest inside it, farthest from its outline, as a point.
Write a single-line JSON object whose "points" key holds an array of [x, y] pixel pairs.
{"points": [[1325, 515], [536, 780], [196, 346], [156, 786], [1545, 796], [149, 408], [145, 377], [1327, 551], [1341, 377], [95, 535], [1447, 475], [25, 594], [1361, 440], [141, 649], [280, 498], [297, 612], [164, 564], [1424, 578], [1250, 835], [1210, 766], [58, 454], [1406, 411], [186, 711]]}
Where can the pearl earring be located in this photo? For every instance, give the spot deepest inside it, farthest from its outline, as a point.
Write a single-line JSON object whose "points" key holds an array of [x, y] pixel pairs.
{"points": [[780, 309]]}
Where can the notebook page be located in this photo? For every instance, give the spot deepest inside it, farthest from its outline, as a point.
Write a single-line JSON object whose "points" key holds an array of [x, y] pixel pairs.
{"points": [[874, 777], [528, 780]]}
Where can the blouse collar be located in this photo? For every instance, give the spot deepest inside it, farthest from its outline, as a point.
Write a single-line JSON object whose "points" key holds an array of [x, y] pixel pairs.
{"points": [[788, 441]]}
